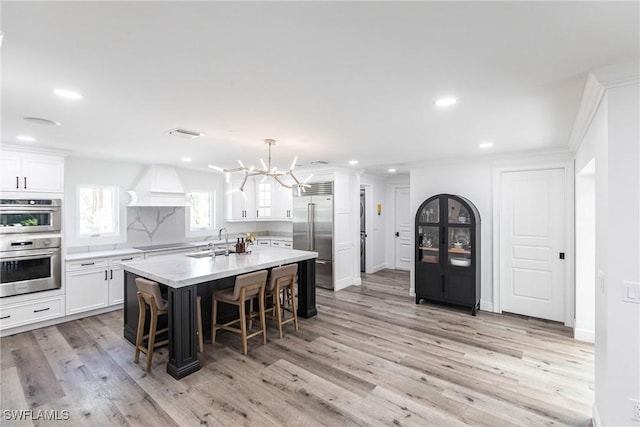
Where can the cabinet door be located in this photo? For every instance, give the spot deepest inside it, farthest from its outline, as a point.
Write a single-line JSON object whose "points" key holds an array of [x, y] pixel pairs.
{"points": [[43, 173], [239, 206], [116, 285], [283, 203], [10, 171], [87, 290]]}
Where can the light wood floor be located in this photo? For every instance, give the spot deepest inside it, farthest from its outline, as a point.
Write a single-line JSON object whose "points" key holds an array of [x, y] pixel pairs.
{"points": [[371, 357]]}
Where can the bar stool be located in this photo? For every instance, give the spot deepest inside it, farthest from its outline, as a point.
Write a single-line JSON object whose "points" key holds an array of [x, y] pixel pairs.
{"points": [[281, 284], [149, 296], [246, 287]]}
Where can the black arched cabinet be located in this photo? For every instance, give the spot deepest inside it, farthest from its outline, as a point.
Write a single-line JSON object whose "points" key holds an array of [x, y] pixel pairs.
{"points": [[447, 253]]}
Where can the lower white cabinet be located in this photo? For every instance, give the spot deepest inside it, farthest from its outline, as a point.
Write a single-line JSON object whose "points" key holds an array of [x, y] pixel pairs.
{"points": [[13, 315], [95, 283], [282, 244], [87, 289]]}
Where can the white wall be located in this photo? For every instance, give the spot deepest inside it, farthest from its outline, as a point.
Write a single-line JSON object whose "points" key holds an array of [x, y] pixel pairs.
{"points": [[473, 180], [375, 224], [613, 139], [585, 254]]}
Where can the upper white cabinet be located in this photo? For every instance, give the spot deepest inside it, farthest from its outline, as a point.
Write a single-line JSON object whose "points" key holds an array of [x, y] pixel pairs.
{"points": [[31, 172], [261, 201]]}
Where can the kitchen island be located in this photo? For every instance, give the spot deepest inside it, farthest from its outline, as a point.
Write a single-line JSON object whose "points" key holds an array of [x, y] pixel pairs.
{"points": [[185, 277]]}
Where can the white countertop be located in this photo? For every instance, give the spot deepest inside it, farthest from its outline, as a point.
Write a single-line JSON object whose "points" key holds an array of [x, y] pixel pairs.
{"points": [[180, 270]]}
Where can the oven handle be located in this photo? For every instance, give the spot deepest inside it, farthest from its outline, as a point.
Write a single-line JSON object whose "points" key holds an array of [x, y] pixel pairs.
{"points": [[30, 256], [28, 208]]}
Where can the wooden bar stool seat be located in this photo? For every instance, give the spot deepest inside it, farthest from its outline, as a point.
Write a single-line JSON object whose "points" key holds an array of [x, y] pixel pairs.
{"points": [[150, 298], [246, 288], [281, 292]]}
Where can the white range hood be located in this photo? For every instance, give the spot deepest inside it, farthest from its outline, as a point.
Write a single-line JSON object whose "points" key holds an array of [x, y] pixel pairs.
{"points": [[159, 186]]}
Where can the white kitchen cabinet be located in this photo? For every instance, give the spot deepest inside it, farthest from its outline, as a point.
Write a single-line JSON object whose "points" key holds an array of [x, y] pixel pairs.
{"points": [[239, 207], [281, 244], [95, 283], [116, 278], [265, 243], [283, 204], [87, 289], [262, 201], [31, 172], [24, 313]]}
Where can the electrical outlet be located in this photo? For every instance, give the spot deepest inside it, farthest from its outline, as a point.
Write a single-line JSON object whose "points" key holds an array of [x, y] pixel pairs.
{"points": [[636, 409]]}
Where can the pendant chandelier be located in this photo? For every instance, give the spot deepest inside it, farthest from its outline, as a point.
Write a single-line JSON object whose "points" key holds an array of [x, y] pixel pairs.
{"points": [[266, 171]]}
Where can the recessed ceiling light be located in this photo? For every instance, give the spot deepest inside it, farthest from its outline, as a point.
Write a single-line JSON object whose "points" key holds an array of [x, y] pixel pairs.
{"points": [[392, 170], [41, 121], [445, 102], [353, 162], [25, 138], [63, 93], [186, 159], [486, 145]]}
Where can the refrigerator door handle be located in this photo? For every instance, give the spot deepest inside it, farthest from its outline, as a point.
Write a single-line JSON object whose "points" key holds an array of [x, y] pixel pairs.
{"points": [[312, 226]]}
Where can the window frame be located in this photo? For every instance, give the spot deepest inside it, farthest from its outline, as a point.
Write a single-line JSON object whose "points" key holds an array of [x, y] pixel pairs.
{"points": [[111, 237], [202, 231]]}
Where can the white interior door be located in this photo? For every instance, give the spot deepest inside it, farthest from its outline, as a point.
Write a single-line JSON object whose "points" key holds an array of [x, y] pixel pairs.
{"points": [[403, 229], [532, 236]]}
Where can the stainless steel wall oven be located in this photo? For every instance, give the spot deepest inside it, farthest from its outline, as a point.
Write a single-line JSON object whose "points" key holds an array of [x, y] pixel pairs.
{"points": [[30, 216], [29, 263]]}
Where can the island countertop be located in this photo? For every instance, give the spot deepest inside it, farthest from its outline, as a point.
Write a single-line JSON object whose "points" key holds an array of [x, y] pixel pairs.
{"points": [[179, 270]]}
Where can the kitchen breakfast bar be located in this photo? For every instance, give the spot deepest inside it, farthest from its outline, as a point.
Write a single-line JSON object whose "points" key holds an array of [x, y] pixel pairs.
{"points": [[185, 277]]}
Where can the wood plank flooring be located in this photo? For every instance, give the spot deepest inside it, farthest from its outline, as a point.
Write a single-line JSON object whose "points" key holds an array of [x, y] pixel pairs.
{"points": [[371, 357]]}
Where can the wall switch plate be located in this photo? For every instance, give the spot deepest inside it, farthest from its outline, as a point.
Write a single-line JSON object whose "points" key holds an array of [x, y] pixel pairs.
{"points": [[631, 292]]}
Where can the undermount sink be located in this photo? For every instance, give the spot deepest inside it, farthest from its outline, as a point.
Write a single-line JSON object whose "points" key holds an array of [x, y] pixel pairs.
{"points": [[205, 254]]}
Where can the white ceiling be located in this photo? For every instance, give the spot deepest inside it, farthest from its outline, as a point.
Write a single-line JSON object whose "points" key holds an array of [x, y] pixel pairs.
{"points": [[330, 81]]}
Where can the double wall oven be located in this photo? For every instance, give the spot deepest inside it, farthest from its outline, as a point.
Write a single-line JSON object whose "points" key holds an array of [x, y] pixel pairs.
{"points": [[30, 241]]}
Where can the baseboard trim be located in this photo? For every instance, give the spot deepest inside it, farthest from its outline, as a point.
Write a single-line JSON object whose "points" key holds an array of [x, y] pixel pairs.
{"points": [[378, 267], [486, 306], [584, 335]]}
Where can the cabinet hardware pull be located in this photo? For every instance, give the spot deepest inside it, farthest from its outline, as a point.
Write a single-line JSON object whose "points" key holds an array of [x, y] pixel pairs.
{"points": [[126, 259], [84, 264], [5, 317], [42, 309], [561, 255], [105, 275], [25, 182], [111, 275], [17, 182]]}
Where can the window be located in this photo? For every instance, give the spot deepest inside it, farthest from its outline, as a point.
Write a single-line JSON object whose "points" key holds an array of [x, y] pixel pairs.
{"points": [[97, 211], [201, 211], [264, 200]]}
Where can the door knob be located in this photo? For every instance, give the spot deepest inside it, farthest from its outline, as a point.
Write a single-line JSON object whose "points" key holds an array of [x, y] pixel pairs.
{"points": [[397, 234]]}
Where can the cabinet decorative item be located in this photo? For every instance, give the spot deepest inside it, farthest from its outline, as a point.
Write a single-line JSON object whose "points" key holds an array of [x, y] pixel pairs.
{"points": [[447, 254]]}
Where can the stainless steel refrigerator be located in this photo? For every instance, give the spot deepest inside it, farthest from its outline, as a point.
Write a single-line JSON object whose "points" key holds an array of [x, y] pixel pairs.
{"points": [[313, 228]]}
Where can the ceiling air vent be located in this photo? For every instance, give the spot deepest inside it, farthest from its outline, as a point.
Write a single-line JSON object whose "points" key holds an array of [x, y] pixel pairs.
{"points": [[185, 133], [320, 162]]}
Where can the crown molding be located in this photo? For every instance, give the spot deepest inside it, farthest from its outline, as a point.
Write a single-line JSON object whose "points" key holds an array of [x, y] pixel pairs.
{"points": [[598, 82]]}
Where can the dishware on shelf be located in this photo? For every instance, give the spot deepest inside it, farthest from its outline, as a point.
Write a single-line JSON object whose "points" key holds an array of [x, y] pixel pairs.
{"points": [[461, 262]]}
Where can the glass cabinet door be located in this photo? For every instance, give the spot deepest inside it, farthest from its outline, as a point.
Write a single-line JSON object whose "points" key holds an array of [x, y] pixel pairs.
{"points": [[459, 246], [431, 212], [428, 244], [457, 213]]}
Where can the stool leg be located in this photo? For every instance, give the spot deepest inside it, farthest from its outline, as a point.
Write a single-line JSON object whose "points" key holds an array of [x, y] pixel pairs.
{"points": [[263, 322], [243, 326], [250, 313], [214, 310], [279, 311], [293, 307], [199, 315], [152, 337], [142, 309]]}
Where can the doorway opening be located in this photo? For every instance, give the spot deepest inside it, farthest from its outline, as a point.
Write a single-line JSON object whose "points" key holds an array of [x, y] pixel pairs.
{"points": [[585, 253], [363, 231]]}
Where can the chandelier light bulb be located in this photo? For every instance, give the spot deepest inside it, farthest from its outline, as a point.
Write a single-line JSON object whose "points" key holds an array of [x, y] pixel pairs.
{"points": [[293, 164]]}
